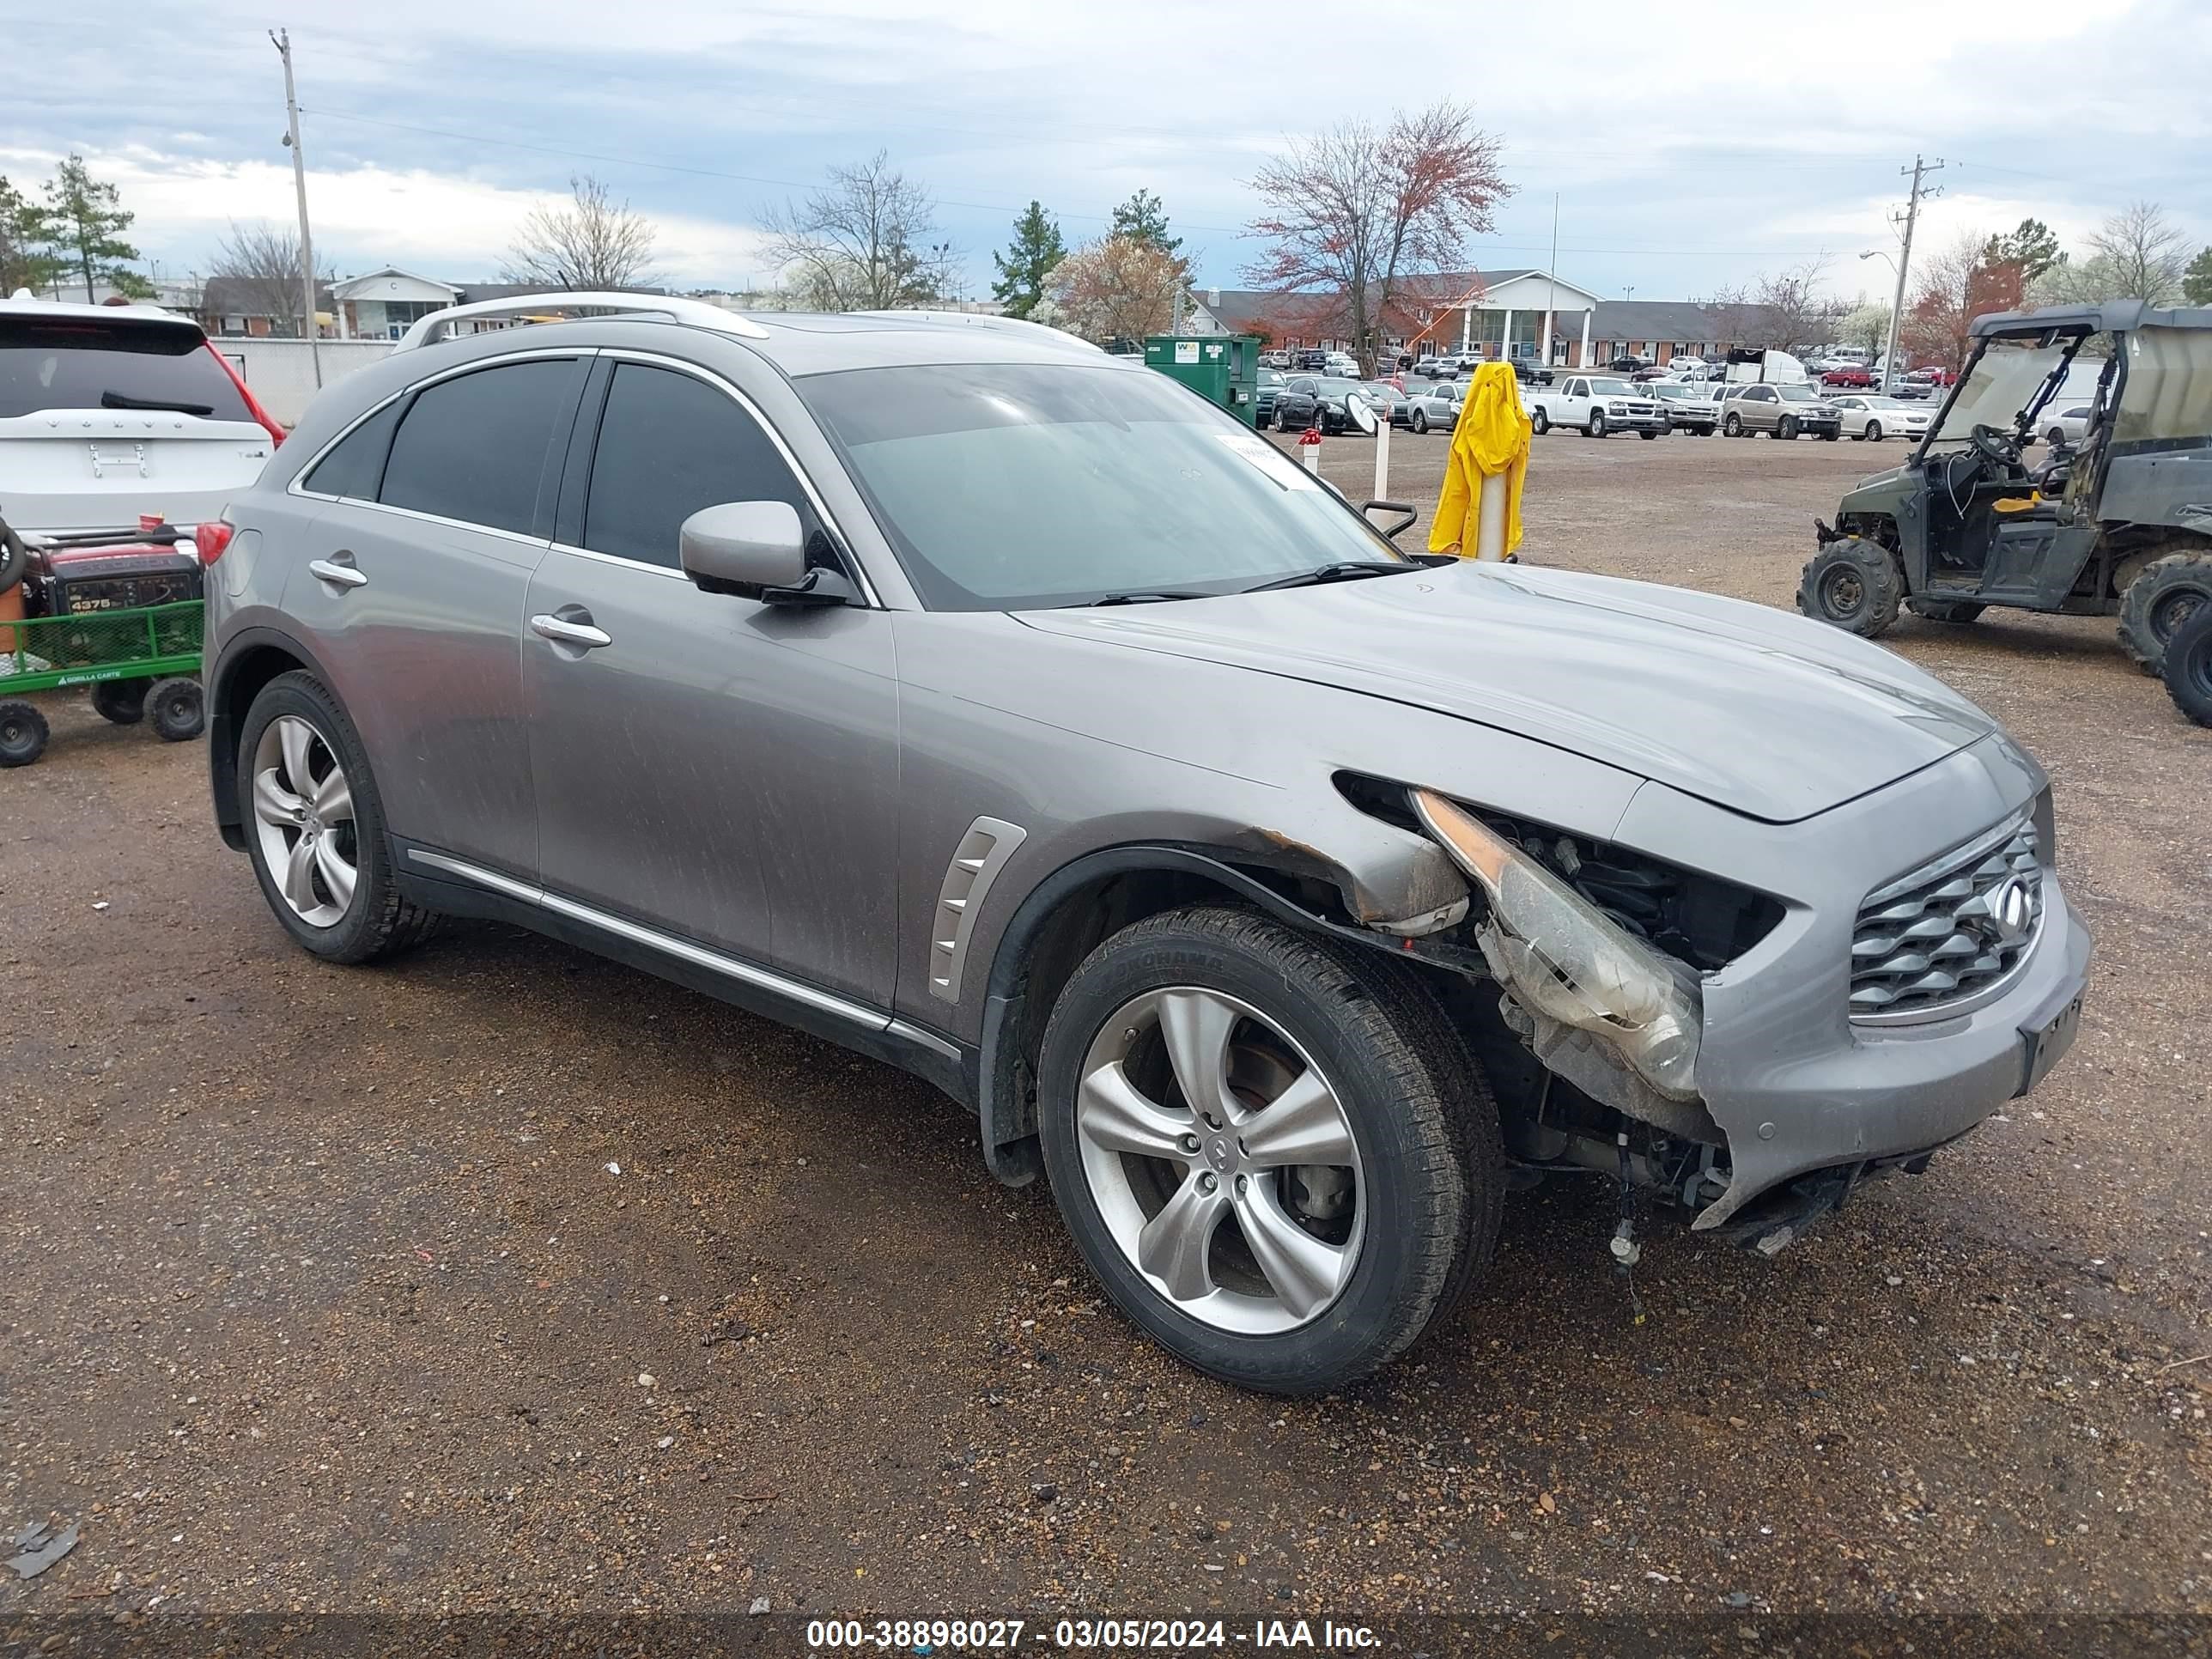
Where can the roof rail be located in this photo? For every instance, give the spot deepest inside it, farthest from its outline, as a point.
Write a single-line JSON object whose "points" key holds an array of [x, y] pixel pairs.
{"points": [[432, 328], [980, 319]]}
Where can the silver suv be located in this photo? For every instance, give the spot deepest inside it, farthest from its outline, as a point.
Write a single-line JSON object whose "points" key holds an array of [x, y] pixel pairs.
{"points": [[1009, 713], [1780, 410]]}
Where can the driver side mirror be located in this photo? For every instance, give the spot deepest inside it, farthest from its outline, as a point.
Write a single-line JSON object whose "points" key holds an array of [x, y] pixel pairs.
{"points": [[756, 550]]}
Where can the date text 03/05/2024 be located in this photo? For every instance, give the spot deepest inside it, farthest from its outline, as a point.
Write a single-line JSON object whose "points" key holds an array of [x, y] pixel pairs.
{"points": [[951, 1636]]}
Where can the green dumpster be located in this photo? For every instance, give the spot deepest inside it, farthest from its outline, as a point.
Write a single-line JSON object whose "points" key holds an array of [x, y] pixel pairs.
{"points": [[1225, 368]]}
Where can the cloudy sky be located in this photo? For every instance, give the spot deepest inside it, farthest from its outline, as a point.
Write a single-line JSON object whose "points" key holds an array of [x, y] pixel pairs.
{"points": [[1689, 145]]}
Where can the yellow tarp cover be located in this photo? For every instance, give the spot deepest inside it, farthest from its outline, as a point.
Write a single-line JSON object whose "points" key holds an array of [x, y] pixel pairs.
{"points": [[1491, 440]]}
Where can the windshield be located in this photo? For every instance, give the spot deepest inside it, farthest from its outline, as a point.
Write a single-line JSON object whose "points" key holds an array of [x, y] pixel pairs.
{"points": [[1610, 389], [96, 364], [1013, 487], [1667, 389], [1797, 394], [1997, 389]]}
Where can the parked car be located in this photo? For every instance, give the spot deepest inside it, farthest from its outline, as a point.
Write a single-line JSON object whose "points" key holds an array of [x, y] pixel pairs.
{"points": [[1685, 368], [107, 413], [1274, 360], [1325, 400], [1686, 408], [1933, 377], [1529, 371], [1430, 368], [1311, 361], [709, 643], [1627, 364], [1847, 374], [1869, 416], [2065, 424], [1782, 410], [1436, 408], [1384, 396], [1595, 406], [1271, 382], [1343, 365]]}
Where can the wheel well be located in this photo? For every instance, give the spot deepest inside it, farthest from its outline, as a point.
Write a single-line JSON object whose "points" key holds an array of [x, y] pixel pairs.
{"points": [[229, 699], [1063, 921]]}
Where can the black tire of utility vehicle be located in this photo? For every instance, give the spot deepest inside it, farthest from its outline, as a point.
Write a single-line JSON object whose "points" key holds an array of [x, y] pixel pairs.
{"points": [[1539, 422], [1855, 585], [122, 701], [1431, 1170], [15, 558], [2188, 666], [179, 710], [378, 922], [2160, 600], [22, 732]]}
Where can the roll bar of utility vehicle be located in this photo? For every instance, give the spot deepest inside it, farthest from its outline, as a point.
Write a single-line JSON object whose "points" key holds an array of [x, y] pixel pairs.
{"points": [[2112, 317], [427, 331]]}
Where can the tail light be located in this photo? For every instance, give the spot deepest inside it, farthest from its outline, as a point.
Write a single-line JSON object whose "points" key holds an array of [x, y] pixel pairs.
{"points": [[211, 538]]}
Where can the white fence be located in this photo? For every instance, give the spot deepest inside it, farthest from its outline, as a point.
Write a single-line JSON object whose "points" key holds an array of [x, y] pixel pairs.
{"points": [[280, 374]]}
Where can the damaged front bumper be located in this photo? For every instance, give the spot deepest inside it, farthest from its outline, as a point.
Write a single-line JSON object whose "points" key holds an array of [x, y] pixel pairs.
{"points": [[1794, 1101]]}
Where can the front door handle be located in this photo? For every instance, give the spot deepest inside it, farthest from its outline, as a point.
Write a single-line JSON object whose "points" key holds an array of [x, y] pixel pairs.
{"points": [[571, 630], [338, 570]]}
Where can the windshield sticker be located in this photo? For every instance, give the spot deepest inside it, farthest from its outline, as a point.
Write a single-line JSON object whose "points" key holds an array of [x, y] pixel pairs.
{"points": [[1269, 459]]}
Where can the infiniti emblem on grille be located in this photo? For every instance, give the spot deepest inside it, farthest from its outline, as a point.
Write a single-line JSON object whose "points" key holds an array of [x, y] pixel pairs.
{"points": [[2012, 908]]}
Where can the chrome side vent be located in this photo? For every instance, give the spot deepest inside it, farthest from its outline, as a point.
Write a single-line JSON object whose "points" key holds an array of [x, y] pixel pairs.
{"points": [[982, 853]]}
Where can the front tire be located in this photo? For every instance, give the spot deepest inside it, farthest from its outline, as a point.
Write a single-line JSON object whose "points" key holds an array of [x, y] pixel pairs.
{"points": [[1268, 1147], [22, 732], [1855, 585], [1786, 427], [1539, 422], [1420, 420], [1733, 426], [1596, 427], [315, 827], [2169, 589], [1874, 433]]}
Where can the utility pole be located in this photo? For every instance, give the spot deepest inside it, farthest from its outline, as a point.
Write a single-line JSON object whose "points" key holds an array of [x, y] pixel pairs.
{"points": [[1921, 191], [282, 39]]}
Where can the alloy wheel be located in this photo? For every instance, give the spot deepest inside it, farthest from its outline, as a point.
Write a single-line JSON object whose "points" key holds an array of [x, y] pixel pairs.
{"points": [[303, 816], [1221, 1160]]}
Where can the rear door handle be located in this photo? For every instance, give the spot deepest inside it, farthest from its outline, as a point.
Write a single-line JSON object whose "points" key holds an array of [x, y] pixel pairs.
{"points": [[337, 573], [575, 630]]}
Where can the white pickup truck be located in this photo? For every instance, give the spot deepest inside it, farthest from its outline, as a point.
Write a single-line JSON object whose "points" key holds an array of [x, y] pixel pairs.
{"points": [[1597, 404]]}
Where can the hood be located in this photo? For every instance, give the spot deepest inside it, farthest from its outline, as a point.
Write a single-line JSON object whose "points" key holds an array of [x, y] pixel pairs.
{"points": [[1750, 709]]}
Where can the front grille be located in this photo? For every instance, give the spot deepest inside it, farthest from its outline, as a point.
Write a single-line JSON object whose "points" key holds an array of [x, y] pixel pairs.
{"points": [[1950, 930]]}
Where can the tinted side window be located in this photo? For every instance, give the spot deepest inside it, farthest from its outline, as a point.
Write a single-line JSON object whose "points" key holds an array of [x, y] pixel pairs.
{"points": [[356, 467], [669, 444], [474, 447]]}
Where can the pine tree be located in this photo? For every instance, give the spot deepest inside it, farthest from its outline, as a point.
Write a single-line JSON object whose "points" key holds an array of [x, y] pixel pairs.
{"points": [[2197, 280], [1142, 217], [24, 235], [84, 218], [1023, 268], [2032, 247]]}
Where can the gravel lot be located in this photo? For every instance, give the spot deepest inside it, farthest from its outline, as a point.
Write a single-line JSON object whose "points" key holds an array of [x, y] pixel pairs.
{"points": [[321, 1292]]}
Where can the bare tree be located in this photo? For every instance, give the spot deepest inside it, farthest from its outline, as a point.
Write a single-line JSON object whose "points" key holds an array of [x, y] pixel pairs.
{"points": [[1944, 302], [2144, 255], [1794, 313], [595, 242], [1359, 212], [261, 262], [1119, 288], [863, 243]]}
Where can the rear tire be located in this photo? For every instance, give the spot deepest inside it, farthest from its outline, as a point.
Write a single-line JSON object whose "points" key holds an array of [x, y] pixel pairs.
{"points": [[180, 711], [374, 921], [22, 732], [1418, 1214], [2188, 666], [1855, 585], [121, 701], [2170, 587]]}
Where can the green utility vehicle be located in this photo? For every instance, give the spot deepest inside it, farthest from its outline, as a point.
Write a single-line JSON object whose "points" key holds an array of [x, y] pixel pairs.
{"points": [[2119, 524]]}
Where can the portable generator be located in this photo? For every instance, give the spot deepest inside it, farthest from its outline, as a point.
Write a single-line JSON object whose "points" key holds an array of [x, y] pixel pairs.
{"points": [[78, 581]]}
